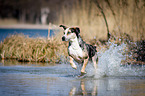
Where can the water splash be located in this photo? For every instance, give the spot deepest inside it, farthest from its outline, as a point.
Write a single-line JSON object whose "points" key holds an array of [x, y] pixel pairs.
{"points": [[109, 63]]}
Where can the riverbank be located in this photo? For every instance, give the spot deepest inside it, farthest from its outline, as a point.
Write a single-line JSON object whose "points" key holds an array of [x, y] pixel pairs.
{"points": [[29, 26], [11, 23], [53, 50]]}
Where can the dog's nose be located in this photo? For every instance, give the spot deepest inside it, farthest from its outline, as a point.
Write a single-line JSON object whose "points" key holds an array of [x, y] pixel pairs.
{"points": [[63, 38]]}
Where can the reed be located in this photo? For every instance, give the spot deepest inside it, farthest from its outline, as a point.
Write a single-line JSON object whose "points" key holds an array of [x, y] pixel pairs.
{"points": [[122, 17], [125, 23], [53, 50], [27, 49]]}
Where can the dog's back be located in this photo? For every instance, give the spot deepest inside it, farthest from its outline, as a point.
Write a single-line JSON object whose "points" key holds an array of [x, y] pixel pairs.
{"points": [[90, 48]]}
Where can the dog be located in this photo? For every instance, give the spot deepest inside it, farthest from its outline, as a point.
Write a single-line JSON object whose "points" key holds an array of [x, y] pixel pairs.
{"points": [[79, 50]]}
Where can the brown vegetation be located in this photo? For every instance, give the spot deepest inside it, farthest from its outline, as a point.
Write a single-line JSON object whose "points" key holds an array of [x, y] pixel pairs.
{"points": [[53, 50], [23, 48], [122, 17]]}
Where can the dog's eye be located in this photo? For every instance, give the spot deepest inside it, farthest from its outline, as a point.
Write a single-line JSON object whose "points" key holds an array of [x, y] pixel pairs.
{"points": [[68, 32]]}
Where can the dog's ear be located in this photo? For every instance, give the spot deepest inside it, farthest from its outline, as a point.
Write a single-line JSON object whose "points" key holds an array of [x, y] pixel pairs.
{"points": [[76, 30], [64, 27]]}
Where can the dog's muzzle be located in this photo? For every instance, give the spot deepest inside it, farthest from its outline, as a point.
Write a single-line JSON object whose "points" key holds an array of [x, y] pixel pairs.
{"points": [[63, 38]]}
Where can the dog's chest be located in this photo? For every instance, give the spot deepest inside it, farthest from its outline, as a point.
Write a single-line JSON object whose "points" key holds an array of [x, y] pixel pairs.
{"points": [[76, 51]]}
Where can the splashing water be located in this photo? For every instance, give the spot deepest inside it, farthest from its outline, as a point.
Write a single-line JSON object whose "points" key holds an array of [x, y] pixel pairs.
{"points": [[109, 63]]}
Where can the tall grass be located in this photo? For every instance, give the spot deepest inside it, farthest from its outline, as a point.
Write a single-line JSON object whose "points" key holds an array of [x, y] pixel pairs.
{"points": [[122, 17], [23, 48]]}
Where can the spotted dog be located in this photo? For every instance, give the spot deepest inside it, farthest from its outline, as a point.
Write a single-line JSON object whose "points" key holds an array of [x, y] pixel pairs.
{"points": [[78, 50]]}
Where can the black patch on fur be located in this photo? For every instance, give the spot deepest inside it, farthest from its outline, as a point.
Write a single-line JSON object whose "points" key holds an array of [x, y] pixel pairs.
{"points": [[64, 27], [81, 42], [90, 48], [76, 30]]}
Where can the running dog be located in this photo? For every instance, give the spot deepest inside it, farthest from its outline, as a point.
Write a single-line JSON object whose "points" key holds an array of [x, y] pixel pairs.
{"points": [[78, 50]]}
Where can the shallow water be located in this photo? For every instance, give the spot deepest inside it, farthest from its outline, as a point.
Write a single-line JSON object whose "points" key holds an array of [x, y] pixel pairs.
{"points": [[111, 78], [20, 79]]}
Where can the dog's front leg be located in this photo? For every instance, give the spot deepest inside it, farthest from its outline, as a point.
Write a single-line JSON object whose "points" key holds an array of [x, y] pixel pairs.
{"points": [[84, 66], [73, 65]]}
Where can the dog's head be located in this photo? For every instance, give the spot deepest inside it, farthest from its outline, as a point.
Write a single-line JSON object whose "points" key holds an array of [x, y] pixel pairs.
{"points": [[70, 33]]}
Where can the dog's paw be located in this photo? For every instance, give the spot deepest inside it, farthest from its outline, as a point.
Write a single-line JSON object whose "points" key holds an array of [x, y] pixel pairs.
{"points": [[73, 65], [82, 74]]}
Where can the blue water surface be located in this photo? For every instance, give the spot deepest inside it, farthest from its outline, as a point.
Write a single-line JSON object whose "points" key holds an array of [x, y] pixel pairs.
{"points": [[30, 32]]}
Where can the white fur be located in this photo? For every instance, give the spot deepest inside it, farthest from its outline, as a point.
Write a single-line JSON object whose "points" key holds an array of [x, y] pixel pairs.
{"points": [[69, 37], [66, 30], [75, 51]]}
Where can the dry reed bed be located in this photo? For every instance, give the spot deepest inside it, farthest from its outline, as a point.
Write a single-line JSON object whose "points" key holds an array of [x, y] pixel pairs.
{"points": [[133, 51], [23, 48], [53, 50], [126, 16]]}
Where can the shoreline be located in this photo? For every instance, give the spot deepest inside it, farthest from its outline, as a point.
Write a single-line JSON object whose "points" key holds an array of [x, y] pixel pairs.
{"points": [[29, 26]]}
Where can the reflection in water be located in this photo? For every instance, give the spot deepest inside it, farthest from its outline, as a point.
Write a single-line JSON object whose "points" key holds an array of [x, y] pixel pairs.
{"points": [[14, 62], [44, 85], [93, 90], [58, 80], [110, 87]]}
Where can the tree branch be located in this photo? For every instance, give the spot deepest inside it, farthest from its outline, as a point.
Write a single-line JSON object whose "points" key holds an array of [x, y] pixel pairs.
{"points": [[108, 33]]}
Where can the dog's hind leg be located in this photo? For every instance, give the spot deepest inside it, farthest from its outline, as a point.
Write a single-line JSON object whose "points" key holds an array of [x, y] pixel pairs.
{"points": [[73, 65], [95, 61]]}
